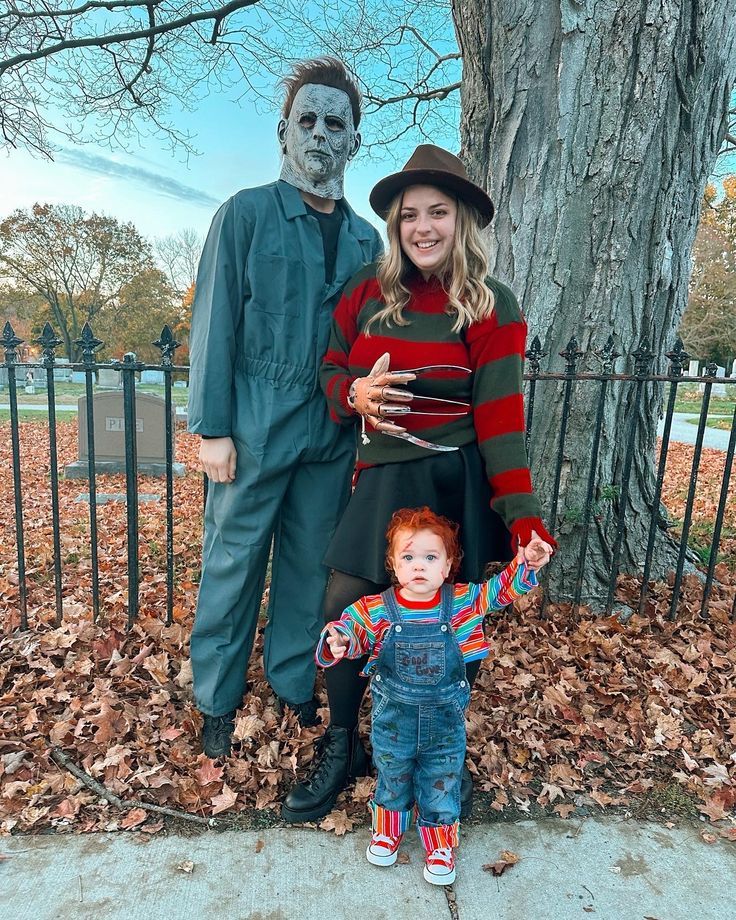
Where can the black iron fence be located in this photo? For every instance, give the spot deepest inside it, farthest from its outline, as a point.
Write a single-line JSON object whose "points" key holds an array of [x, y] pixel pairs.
{"points": [[639, 378]]}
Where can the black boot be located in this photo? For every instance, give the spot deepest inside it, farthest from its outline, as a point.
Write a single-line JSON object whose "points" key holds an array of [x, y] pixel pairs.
{"points": [[217, 734], [306, 713], [342, 757], [466, 794]]}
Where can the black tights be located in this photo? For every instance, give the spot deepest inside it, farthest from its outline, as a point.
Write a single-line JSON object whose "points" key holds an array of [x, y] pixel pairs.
{"points": [[345, 686]]}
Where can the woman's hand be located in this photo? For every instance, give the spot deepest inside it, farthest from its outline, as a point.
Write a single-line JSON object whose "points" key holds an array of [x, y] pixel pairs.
{"points": [[218, 459], [337, 642], [536, 553], [379, 396]]}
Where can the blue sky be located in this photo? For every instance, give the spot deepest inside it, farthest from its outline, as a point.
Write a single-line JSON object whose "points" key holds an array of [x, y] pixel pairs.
{"points": [[161, 192]]}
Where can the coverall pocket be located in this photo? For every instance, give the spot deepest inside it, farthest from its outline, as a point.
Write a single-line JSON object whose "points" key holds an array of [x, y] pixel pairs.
{"points": [[420, 662], [277, 283]]}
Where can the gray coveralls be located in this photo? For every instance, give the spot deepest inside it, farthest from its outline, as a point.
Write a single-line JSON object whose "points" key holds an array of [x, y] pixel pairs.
{"points": [[260, 327]]}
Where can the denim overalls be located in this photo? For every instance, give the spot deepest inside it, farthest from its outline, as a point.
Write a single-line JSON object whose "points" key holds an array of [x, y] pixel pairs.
{"points": [[420, 693]]}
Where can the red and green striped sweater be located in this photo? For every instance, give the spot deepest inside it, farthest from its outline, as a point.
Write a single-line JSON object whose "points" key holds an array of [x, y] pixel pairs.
{"points": [[493, 349]]}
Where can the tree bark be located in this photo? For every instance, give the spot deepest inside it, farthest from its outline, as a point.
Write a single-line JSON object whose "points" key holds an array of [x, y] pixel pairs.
{"points": [[594, 127]]}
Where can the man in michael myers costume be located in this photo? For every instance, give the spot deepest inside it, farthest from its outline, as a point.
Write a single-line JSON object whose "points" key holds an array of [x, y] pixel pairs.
{"points": [[273, 267]]}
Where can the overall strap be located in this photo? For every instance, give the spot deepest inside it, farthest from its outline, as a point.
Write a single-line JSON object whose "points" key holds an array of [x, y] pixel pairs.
{"points": [[391, 606], [446, 602]]}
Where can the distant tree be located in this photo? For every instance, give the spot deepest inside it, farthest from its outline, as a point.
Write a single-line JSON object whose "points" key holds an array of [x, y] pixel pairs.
{"points": [[144, 305], [178, 255], [76, 263], [183, 325], [708, 326]]}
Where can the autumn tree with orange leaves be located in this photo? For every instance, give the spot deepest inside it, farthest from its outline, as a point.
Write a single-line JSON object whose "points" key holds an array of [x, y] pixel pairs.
{"points": [[709, 325]]}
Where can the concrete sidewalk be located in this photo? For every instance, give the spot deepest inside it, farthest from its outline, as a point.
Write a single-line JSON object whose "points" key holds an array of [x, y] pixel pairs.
{"points": [[608, 869]]}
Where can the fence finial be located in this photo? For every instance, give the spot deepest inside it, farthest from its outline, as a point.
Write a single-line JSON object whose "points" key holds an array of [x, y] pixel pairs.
{"points": [[48, 340], [167, 345], [10, 344], [88, 344], [678, 357]]}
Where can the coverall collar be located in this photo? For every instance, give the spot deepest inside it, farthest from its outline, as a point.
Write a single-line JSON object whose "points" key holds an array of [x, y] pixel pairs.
{"points": [[293, 205]]}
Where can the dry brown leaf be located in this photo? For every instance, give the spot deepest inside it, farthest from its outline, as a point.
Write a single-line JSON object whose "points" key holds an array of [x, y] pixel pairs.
{"points": [[506, 859], [226, 799], [133, 818], [337, 821]]}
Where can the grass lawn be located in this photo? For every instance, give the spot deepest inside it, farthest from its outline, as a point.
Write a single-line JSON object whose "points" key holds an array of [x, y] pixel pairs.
{"points": [[724, 424], [68, 393], [41, 418]]}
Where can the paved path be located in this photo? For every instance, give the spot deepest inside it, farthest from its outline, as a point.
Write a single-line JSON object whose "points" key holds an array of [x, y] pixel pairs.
{"points": [[606, 869], [685, 432]]}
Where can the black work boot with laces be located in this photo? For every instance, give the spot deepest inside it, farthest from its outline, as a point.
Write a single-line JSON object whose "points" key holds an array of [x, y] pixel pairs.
{"points": [[217, 734], [341, 757]]}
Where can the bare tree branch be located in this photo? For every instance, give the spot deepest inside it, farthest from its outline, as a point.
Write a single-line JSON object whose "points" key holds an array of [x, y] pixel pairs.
{"points": [[100, 41]]}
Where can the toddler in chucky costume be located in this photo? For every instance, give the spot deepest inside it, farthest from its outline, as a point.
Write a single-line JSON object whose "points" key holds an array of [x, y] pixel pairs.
{"points": [[419, 636]]}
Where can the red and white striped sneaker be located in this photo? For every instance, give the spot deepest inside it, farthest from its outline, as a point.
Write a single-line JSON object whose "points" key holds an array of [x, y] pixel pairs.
{"points": [[439, 867], [383, 849]]}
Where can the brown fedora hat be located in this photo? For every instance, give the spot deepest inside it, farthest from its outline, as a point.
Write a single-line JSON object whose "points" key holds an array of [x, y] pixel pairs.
{"points": [[431, 165]]}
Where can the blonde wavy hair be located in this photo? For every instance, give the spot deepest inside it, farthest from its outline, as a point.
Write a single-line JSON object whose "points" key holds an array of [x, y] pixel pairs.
{"points": [[462, 276]]}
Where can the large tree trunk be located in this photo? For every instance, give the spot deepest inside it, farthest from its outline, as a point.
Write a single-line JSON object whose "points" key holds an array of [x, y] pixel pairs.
{"points": [[594, 127]]}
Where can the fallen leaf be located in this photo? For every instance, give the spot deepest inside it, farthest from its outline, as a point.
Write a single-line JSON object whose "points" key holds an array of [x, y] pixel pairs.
{"points": [[208, 771], [506, 860], [403, 859], [259, 845], [133, 818], [226, 799], [186, 866], [337, 821], [707, 837]]}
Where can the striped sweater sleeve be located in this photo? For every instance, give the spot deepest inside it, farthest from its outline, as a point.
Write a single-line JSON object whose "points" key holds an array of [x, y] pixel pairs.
{"points": [[357, 627], [516, 580], [496, 347]]}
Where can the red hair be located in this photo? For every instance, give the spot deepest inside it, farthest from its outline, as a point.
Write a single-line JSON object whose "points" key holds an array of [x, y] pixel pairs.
{"points": [[414, 519]]}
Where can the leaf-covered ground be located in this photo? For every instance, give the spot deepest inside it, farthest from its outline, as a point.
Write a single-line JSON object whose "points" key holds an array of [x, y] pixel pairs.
{"points": [[567, 713]]}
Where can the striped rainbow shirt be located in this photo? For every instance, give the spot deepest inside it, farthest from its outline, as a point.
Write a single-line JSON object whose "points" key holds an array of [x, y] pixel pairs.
{"points": [[364, 623]]}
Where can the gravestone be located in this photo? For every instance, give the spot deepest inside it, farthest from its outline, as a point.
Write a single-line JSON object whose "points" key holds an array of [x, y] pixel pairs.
{"points": [[62, 371], [693, 368], [108, 378], [182, 384], [156, 377], [3, 377], [719, 389], [109, 427], [78, 376]]}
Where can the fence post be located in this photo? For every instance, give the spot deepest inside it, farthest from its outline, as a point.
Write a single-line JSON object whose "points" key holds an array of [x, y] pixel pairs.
{"points": [[10, 344], [168, 345], [48, 340], [89, 345]]}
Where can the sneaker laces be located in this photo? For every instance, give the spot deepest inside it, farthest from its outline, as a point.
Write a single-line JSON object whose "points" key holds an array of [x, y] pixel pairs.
{"points": [[441, 854], [383, 840]]}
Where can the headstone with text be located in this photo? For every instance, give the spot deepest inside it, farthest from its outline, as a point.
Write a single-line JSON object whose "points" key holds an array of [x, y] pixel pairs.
{"points": [[693, 368], [110, 434]]}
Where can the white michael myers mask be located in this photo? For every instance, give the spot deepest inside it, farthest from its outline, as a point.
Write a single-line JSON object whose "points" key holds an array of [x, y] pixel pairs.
{"points": [[317, 140]]}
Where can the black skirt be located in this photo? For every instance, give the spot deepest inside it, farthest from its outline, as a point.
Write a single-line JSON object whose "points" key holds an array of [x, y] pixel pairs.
{"points": [[452, 484]]}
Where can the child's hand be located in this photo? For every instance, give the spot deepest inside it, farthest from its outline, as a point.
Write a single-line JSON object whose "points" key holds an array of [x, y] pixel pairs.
{"points": [[337, 642], [536, 553]]}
